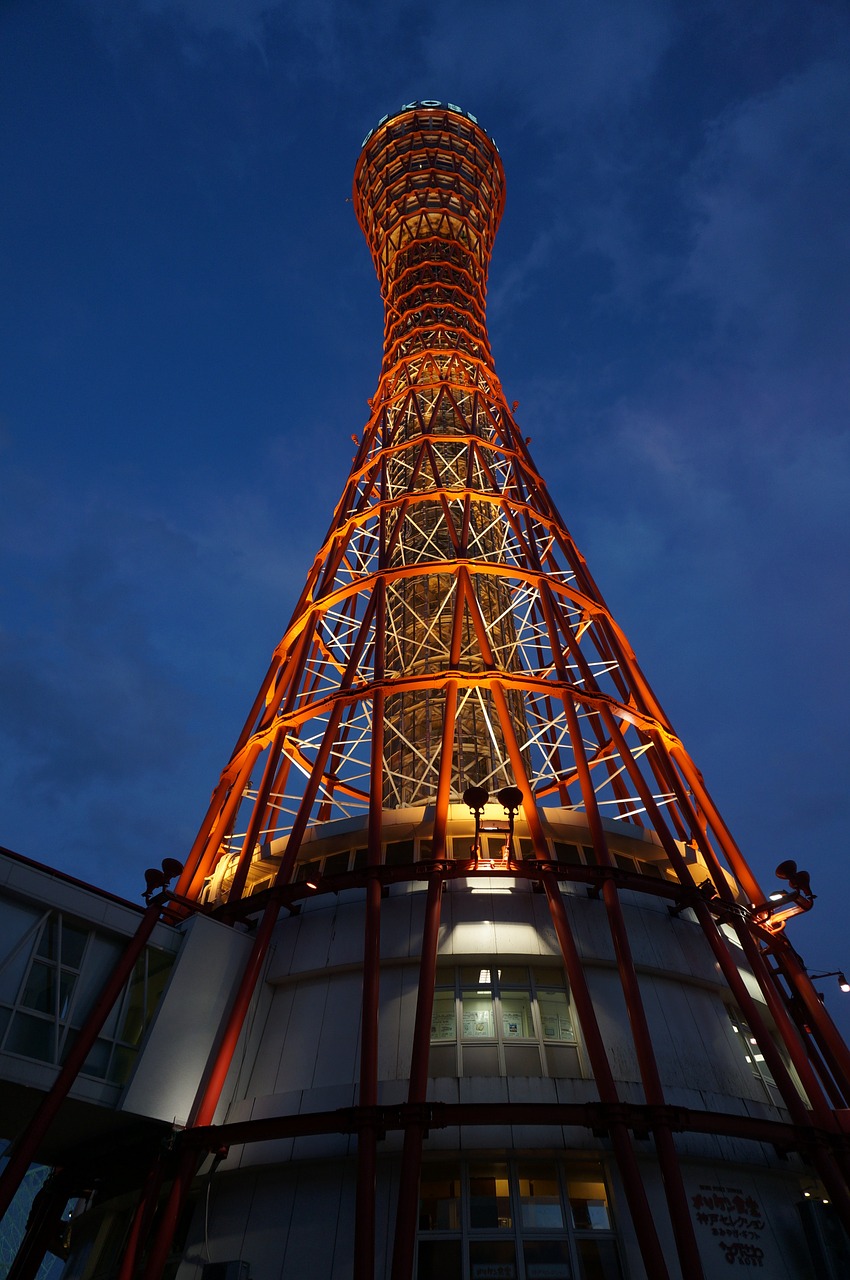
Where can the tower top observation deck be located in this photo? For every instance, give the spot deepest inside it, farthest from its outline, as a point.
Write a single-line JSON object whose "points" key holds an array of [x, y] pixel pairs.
{"points": [[429, 191]]}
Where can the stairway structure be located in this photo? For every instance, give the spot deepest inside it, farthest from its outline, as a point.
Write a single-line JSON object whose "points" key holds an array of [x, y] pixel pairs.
{"points": [[505, 997]]}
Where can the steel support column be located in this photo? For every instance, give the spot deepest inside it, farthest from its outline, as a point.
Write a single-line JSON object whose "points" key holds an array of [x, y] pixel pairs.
{"points": [[411, 1160], [648, 1242]]}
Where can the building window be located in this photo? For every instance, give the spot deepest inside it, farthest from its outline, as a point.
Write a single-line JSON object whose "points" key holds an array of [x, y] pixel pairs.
{"points": [[60, 979], [754, 1057], [502, 1020], [522, 1219]]}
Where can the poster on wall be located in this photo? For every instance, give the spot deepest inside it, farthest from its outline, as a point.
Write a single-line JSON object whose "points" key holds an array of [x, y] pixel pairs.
{"points": [[477, 1024], [443, 1026], [730, 1226], [556, 1027]]}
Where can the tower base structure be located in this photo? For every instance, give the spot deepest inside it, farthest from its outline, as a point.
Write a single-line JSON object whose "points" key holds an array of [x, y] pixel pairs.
{"points": [[522, 1166]]}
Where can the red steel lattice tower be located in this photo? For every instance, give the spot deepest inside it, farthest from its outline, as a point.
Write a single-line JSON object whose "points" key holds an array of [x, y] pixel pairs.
{"points": [[450, 636]]}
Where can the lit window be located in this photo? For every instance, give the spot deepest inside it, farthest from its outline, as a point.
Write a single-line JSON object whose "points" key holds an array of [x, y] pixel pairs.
{"points": [[753, 1056], [549, 1217], [508, 1020]]}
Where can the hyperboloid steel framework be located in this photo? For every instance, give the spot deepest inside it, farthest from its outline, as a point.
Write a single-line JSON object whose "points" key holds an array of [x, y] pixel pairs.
{"points": [[450, 636]]}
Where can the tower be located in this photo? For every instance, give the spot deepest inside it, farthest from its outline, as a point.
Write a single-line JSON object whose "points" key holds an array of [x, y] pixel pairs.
{"points": [[505, 999]]}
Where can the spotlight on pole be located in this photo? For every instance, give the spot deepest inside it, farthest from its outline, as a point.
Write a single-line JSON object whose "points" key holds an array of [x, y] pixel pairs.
{"points": [[843, 984], [476, 798], [510, 798]]}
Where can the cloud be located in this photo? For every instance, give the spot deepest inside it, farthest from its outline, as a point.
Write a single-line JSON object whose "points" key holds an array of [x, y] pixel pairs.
{"points": [[242, 20], [138, 637], [771, 200], [549, 61]]}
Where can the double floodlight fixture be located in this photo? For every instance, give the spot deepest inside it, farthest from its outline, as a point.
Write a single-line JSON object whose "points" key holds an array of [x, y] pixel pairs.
{"points": [[510, 798], [783, 903], [157, 881]]}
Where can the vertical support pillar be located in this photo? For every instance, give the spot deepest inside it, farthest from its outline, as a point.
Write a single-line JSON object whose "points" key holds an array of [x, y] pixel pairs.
{"points": [[364, 1219], [367, 1138], [648, 1242], [674, 1189], [142, 1217], [411, 1160]]}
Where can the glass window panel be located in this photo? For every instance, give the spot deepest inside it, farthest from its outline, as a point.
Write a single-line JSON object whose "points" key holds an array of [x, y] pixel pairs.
{"points": [[555, 1016], [101, 958], [492, 1260], [133, 1021], [749, 1045], [443, 1021], [589, 855], [588, 1204], [67, 982], [521, 1059], [624, 862], [549, 977], [477, 975], [336, 863], [489, 1196], [525, 849], [568, 853], [399, 852], [439, 1198], [361, 859], [439, 1260], [650, 869], [5, 1015], [426, 850], [513, 975], [307, 871], [494, 846], [481, 1059], [598, 1260], [442, 1060], [540, 1196], [97, 1063], [547, 1260], [516, 1016], [40, 990], [31, 1037], [159, 967], [123, 1060], [18, 928], [49, 934], [73, 945], [478, 1020]]}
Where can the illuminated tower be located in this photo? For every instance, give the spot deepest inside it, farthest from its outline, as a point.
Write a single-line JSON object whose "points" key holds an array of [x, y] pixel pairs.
{"points": [[509, 1000]]}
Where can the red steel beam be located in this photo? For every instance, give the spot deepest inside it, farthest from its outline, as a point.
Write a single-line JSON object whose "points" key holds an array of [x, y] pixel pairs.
{"points": [[408, 1191]]}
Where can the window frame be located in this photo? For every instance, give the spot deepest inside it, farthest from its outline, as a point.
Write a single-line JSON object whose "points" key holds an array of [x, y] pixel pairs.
{"points": [[533, 988], [567, 1170]]}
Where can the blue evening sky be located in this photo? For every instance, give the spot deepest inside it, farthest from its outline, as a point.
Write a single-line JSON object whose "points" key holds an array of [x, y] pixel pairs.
{"points": [[190, 328]]}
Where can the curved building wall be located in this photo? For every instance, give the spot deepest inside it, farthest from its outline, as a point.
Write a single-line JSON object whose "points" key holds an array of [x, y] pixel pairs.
{"points": [[285, 1206]]}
